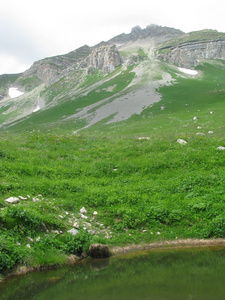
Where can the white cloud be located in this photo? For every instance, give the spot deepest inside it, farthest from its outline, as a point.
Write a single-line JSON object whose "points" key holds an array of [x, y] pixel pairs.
{"points": [[10, 64]]}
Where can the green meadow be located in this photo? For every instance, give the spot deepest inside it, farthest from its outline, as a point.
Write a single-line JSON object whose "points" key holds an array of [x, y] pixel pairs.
{"points": [[143, 184]]}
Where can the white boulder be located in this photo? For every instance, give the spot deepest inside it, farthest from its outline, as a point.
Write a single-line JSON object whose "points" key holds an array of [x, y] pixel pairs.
{"points": [[83, 210], [181, 141], [73, 231], [221, 148], [12, 200]]}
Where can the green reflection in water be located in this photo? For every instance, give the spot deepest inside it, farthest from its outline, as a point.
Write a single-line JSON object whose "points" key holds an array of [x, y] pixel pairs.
{"points": [[181, 274]]}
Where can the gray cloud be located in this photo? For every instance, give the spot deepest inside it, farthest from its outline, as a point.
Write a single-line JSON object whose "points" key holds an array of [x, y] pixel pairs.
{"points": [[15, 41]]}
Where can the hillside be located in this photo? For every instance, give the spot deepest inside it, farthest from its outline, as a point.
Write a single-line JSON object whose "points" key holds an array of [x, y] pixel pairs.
{"points": [[90, 84], [116, 144]]}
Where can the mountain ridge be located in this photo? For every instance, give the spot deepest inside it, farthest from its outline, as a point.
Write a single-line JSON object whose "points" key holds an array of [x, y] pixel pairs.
{"points": [[86, 75]]}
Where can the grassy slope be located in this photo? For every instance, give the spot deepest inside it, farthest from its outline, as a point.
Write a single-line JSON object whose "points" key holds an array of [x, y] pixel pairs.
{"points": [[67, 105], [150, 184]]}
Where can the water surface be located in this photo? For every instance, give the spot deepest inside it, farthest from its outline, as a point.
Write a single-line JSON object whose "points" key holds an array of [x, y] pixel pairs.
{"points": [[181, 274]]}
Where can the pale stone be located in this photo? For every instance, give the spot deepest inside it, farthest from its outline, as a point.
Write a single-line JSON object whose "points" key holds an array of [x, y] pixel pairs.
{"points": [[12, 200], [83, 210], [35, 199], [83, 216], [30, 239], [73, 231], [91, 232], [22, 198], [76, 225], [181, 141], [221, 148]]}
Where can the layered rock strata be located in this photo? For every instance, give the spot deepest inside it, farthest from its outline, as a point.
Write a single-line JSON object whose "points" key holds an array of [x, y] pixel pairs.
{"points": [[189, 54]]}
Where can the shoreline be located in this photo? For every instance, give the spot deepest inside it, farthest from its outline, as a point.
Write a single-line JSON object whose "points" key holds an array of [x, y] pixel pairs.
{"points": [[129, 249], [173, 244]]}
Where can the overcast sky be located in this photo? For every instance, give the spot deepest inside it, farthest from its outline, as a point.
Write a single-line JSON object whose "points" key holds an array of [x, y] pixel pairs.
{"points": [[34, 29]]}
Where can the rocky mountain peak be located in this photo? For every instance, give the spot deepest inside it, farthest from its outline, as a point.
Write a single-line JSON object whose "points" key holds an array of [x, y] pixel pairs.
{"points": [[156, 31]]}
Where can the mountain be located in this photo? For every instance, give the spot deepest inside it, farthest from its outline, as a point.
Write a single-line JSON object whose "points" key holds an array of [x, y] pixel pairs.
{"points": [[110, 81]]}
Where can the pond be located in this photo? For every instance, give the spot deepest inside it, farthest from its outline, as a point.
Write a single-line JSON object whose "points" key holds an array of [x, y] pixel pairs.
{"points": [[172, 274]]}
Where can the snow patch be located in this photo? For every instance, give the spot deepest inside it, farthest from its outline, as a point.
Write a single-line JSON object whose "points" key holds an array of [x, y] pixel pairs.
{"points": [[188, 71], [14, 92], [36, 109]]}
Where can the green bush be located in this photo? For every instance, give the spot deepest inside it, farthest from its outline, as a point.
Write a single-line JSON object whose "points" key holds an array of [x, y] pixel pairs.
{"points": [[10, 254]]}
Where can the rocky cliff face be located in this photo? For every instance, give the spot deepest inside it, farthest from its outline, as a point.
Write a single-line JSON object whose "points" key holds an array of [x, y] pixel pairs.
{"points": [[188, 54], [105, 58]]}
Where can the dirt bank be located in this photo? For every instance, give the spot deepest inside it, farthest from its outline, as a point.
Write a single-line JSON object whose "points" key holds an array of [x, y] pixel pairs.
{"points": [[182, 243]]}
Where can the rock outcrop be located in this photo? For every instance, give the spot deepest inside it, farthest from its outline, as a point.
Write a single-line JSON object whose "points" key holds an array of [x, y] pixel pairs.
{"points": [[105, 58], [99, 251], [188, 54], [161, 33]]}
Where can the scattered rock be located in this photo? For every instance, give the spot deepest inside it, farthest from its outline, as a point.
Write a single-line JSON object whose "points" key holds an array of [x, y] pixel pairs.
{"points": [[181, 141], [199, 127], [83, 216], [22, 270], [91, 232], [99, 251], [83, 210], [30, 239], [22, 198], [143, 138], [221, 148], [210, 132], [35, 199], [72, 259], [28, 246], [73, 231], [95, 212], [55, 231], [12, 200], [200, 133], [195, 118], [76, 225], [211, 112]]}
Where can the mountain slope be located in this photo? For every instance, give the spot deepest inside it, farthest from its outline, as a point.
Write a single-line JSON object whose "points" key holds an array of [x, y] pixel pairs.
{"points": [[90, 84]]}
